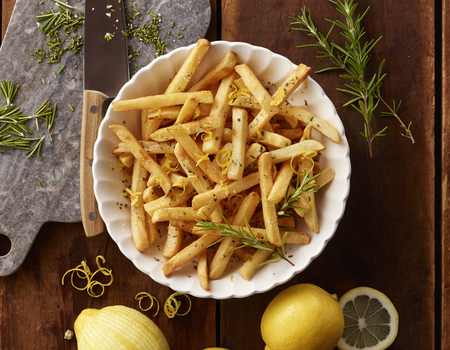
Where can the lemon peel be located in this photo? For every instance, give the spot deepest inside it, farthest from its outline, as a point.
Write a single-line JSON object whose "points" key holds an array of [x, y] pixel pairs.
{"points": [[304, 155], [224, 161], [201, 158], [172, 305], [178, 185], [134, 196], [203, 137], [168, 164], [121, 166], [280, 97], [196, 113], [86, 273], [236, 93], [224, 184], [142, 295]]}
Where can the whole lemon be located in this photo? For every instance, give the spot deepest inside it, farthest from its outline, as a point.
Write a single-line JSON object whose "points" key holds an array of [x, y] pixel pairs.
{"points": [[302, 317]]}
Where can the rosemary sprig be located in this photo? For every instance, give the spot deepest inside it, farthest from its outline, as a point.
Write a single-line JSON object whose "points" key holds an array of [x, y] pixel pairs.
{"points": [[247, 237], [353, 59], [305, 186]]}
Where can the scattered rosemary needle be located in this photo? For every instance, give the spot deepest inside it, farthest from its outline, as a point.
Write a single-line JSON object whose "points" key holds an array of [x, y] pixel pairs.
{"points": [[353, 59], [247, 237], [305, 186]]}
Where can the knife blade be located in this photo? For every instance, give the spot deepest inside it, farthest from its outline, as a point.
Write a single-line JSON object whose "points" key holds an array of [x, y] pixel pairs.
{"points": [[106, 70]]}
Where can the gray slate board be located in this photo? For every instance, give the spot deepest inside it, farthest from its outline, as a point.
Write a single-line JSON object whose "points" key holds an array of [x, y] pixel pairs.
{"points": [[24, 205]]}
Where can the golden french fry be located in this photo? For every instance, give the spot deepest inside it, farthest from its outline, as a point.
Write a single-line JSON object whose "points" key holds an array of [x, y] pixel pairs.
{"points": [[151, 147], [219, 108], [223, 192], [292, 134], [127, 160], [211, 170], [146, 161], [282, 154], [159, 101], [308, 118], [252, 153], [225, 250], [269, 209], [190, 65], [270, 138], [247, 271], [141, 238], [174, 241], [310, 217], [281, 183], [217, 73], [173, 199], [240, 123], [286, 221], [202, 269], [326, 176], [188, 110], [187, 226], [177, 213], [306, 133], [148, 126], [196, 176], [188, 253], [170, 114], [254, 85], [192, 128]]}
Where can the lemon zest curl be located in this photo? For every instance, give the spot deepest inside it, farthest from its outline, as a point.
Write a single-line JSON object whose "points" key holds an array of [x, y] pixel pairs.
{"points": [[153, 300], [172, 305]]}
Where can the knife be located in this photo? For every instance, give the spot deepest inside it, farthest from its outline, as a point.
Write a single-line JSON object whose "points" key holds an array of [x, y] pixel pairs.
{"points": [[106, 70]]}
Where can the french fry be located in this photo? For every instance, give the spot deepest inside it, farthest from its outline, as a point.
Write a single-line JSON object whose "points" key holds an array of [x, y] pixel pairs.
{"points": [[307, 131], [196, 176], [223, 192], [306, 117], [247, 271], [127, 160], [141, 238], [281, 183], [146, 161], [188, 110], [217, 73], [219, 108], [148, 126], [174, 241], [171, 113], [159, 101], [187, 226], [173, 199], [188, 253], [211, 170], [292, 134], [190, 65], [326, 176], [240, 123], [252, 153], [225, 250], [282, 154], [310, 217], [192, 128], [272, 139], [202, 269], [177, 213], [269, 209], [151, 147], [279, 97], [254, 85]]}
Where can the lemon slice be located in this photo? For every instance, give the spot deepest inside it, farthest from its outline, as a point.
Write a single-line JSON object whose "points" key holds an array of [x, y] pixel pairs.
{"points": [[371, 320]]}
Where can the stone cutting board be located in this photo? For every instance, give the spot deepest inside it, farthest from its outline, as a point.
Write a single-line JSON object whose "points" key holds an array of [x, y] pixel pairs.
{"points": [[24, 205]]}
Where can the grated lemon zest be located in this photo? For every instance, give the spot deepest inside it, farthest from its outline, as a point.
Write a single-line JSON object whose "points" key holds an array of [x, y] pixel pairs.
{"points": [[196, 113], [193, 177], [280, 97], [134, 196], [167, 164], [231, 277], [180, 184], [171, 310], [224, 161], [224, 184], [236, 93], [201, 158], [83, 272], [153, 300], [304, 155]]}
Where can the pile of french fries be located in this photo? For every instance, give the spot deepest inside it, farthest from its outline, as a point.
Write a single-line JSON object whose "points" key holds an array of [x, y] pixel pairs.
{"points": [[222, 147]]}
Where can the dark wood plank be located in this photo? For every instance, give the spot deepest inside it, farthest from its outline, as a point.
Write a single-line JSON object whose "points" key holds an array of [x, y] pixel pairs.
{"points": [[445, 288], [7, 9], [386, 237]]}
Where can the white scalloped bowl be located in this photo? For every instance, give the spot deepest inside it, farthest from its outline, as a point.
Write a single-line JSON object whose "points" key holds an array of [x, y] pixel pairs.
{"points": [[271, 69]]}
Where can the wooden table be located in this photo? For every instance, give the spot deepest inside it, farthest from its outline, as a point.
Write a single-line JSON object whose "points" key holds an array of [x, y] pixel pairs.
{"points": [[395, 231]]}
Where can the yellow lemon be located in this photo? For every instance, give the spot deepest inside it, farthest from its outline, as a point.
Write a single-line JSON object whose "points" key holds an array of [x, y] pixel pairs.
{"points": [[303, 316], [371, 320]]}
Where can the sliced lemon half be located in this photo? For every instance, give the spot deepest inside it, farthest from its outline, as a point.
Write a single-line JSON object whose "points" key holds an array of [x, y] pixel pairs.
{"points": [[371, 320]]}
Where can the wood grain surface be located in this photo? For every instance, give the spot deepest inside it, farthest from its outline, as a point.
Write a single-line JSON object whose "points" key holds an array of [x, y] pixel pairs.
{"points": [[387, 239]]}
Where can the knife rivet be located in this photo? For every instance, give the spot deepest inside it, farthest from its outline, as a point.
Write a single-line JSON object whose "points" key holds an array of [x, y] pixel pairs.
{"points": [[92, 216], [94, 109], [91, 161]]}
